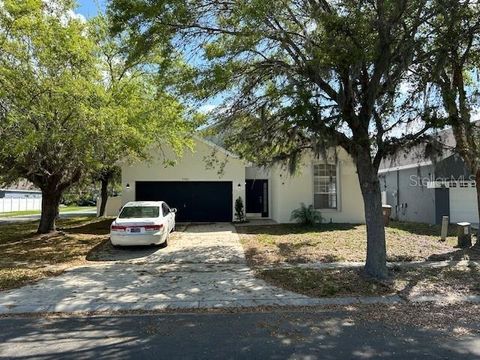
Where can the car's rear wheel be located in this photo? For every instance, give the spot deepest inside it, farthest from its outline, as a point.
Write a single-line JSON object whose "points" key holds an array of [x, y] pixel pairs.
{"points": [[165, 243]]}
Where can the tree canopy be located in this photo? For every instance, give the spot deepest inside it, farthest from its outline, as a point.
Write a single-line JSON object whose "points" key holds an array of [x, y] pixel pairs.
{"points": [[301, 75], [137, 111], [47, 97], [71, 104]]}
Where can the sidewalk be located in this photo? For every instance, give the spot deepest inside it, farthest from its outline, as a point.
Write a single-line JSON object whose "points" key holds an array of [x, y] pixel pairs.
{"points": [[203, 268]]}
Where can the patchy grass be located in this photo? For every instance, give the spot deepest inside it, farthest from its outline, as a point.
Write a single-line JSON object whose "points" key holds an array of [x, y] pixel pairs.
{"points": [[27, 256], [63, 209], [324, 283], [458, 280], [291, 243]]}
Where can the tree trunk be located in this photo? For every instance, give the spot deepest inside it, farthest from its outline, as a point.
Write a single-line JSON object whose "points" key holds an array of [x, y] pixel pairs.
{"points": [[103, 195], [376, 263], [50, 203], [477, 186]]}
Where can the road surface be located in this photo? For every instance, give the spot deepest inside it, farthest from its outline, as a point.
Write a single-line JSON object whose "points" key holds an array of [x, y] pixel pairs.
{"points": [[314, 334]]}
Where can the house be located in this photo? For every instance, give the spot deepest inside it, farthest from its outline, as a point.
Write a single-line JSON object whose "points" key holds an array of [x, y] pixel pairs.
{"points": [[423, 190], [20, 197], [13, 193], [205, 182]]}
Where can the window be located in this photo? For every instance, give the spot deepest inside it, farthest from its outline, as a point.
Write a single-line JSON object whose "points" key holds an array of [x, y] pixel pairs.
{"points": [[325, 186], [165, 209], [139, 212]]}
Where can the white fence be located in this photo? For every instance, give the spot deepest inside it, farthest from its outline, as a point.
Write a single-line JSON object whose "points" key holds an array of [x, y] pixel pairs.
{"points": [[15, 204]]}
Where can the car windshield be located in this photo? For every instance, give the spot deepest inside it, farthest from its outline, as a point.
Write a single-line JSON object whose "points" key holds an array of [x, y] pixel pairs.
{"points": [[139, 212]]}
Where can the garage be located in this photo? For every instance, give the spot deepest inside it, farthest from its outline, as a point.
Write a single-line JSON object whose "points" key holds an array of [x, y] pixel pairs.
{"points": [[202, 201], [463, 205]]}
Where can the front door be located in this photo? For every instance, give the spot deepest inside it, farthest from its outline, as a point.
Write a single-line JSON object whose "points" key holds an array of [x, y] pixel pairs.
{"points": [[257, 197]]}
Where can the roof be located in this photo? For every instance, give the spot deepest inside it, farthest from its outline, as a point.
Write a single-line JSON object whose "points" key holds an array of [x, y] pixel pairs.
{"points": [[21, 185], [415, 156], [216, 146], [20, 191]]}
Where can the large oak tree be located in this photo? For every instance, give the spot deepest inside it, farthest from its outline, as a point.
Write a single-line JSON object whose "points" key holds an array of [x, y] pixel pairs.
{"points": [[47, 99], [72, 104]]}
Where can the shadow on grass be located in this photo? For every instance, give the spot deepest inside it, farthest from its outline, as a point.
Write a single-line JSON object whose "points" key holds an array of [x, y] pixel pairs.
{"points": [[285, 229], [100, 227], [287, 249], [420, 228], [457, 254]]}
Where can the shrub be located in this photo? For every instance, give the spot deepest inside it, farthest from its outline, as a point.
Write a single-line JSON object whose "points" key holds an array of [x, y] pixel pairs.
{"points": [[306, 215], [239, 210]]}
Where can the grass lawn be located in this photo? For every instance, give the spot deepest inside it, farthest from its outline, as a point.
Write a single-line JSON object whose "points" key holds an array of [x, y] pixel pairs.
{"points": [[292, 243], [27, 257], [37, 212], [458, 280]]}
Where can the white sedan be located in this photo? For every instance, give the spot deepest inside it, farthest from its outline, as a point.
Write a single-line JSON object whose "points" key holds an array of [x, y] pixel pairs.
{"points": [[143, 223]]}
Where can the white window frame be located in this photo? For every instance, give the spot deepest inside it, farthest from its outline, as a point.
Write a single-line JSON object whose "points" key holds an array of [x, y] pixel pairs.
{"points": [[337, 185]]}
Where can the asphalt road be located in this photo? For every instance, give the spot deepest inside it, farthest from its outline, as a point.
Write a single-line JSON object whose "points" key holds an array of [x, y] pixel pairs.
{"points": [[274, 335]]}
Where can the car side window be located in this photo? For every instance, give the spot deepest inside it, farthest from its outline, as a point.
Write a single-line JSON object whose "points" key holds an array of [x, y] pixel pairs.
{"points": [[165, 209]]}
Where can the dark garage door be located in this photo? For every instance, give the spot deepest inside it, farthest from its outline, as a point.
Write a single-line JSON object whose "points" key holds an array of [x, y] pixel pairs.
{"points": [[194, 200]]}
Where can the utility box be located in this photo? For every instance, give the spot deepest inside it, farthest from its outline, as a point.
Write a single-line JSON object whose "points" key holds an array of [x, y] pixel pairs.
{"points": [[387, 211], [464, 234]]}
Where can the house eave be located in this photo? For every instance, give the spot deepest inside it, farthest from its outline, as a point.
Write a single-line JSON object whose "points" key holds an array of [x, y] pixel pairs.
{"points": [[405, 167]]}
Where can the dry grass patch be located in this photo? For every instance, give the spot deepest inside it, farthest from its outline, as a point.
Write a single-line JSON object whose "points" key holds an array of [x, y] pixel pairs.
{"points": [[324, 283], [406, 281], [291, 243], [27, 256]]}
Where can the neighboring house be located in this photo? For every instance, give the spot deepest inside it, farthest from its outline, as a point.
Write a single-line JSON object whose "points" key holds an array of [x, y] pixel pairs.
{"points": [[19, 197], [20, 190], [20, 194], [422, 190], [204, 184]]}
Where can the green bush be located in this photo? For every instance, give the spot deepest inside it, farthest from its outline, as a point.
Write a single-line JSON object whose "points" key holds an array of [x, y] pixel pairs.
{"points": [[306, 215], [239, 210]]}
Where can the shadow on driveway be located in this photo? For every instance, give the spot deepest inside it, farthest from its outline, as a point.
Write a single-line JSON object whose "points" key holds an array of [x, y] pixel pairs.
{"points": [[106, 252]]}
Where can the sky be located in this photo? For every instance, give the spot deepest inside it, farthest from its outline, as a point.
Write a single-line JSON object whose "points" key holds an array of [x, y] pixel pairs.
{"points": [[89, 8]]}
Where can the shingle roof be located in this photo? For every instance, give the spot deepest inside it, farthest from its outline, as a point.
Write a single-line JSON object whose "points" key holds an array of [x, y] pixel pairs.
{"points": [[417, 154]]}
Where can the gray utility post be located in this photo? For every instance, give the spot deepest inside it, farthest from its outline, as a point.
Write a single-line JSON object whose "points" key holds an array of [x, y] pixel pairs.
{"points": [[444, 233]]}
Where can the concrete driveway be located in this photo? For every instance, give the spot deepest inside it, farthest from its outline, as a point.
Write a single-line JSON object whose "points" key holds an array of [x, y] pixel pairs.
{"points": [[203, 266], [215, 243]]}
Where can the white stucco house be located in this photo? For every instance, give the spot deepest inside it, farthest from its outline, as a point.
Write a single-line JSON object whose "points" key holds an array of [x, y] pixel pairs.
{"points": [[205, 182]]}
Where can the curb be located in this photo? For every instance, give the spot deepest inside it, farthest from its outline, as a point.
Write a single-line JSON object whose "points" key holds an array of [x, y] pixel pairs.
{"points": [[194, 305]]}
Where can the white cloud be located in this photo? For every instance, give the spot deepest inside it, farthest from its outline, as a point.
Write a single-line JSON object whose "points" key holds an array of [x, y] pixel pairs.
{"points": [[73, 15], [57, 9]]}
